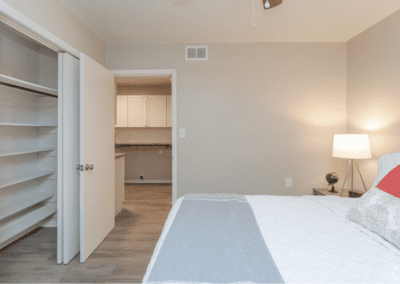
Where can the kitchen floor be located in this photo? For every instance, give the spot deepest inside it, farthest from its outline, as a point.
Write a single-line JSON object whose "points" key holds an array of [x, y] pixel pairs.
{"points": [[122, 257]]}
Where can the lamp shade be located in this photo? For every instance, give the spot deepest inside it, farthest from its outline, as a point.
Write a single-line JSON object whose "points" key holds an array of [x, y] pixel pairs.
{"points": [[351, 146]]}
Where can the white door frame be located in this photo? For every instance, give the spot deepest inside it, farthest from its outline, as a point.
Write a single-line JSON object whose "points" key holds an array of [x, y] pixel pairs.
{"points": [[172, 73]]}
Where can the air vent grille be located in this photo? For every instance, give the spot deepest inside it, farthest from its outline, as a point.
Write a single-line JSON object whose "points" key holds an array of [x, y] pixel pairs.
{"points": [[196, 52]]}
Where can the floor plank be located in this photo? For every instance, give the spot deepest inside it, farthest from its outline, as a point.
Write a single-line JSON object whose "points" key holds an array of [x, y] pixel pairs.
{"points": [[122, 257]]}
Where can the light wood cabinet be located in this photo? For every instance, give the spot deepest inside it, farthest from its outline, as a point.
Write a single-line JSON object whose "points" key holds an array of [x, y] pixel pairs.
{"points": [[137, 111], [157, 116], [169, 111], [144, 111], [122, 111]]}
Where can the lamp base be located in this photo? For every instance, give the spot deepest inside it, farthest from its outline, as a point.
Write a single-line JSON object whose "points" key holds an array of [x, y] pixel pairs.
{"points": [[333, 190]]}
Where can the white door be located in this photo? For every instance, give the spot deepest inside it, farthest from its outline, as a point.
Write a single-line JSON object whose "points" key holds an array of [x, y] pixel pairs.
{"points": [[70, 156], [137, 111], [97, 121], [169, 111], [157, 111], [122, 111]]}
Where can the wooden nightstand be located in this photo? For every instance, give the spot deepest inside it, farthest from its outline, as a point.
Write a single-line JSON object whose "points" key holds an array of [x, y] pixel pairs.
{"points": [[346, 192]]}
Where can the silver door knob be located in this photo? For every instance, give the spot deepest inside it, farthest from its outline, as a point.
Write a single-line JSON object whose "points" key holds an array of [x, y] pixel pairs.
{"points": [[89, 167]]}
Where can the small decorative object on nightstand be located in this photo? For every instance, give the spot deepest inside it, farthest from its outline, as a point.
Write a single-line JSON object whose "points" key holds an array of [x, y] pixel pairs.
{"points": [[332, 178]]}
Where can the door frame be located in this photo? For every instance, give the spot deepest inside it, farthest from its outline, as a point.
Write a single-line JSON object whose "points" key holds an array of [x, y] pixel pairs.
{"points": [[172, 73]]}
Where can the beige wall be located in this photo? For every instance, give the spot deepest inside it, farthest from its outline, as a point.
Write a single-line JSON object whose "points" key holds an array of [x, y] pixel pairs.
{"points": [[57, 19], [373, 95], [254, 113]]}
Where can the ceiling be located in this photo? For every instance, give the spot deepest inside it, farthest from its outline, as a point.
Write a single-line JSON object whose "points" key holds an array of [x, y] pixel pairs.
{"points": [[228, 21], [127, 81]]}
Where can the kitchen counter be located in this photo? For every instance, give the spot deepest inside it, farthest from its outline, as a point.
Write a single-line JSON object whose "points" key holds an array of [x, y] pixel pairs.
{"points": [[117, 155]]}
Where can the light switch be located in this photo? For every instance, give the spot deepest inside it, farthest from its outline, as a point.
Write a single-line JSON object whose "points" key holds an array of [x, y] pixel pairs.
{"points": [[182, 133]]}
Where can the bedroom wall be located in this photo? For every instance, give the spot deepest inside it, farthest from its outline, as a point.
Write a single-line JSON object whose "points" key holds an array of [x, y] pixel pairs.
{"points": [[56, 18], [254, 113], [373, 94]]}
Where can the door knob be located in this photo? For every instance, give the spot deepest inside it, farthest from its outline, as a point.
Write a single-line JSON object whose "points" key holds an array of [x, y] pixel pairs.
{"points": [[89, 167], [79, 167]]}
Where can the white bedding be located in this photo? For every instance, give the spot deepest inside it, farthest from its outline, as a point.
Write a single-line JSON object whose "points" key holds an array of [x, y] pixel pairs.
{"points": [[311, 241]]}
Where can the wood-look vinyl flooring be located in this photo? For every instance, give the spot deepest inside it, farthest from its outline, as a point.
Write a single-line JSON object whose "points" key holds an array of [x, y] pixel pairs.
{"points": [[122, 257]]}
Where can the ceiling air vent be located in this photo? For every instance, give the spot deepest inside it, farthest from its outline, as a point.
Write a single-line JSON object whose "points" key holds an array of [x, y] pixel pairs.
{"points": [[196, 52]]}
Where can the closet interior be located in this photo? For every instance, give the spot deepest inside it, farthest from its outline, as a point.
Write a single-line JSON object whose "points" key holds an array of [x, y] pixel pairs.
{"points": [[28, 135], [144, 128]]}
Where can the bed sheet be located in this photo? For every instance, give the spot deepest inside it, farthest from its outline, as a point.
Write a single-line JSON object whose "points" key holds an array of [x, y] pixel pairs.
{"points": [[312, 241]]}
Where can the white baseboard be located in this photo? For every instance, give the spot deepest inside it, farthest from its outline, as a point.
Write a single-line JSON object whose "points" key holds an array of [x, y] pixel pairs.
{"points": [[148, 181]]}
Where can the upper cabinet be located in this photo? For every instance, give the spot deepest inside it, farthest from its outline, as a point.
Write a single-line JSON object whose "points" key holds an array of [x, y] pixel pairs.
{"points": [[169, 111], [122, 111], [144, 111], [137, 111], [157, 111]]}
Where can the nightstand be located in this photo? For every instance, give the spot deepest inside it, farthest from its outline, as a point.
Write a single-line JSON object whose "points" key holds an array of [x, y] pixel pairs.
{"points": [[346, 192]]}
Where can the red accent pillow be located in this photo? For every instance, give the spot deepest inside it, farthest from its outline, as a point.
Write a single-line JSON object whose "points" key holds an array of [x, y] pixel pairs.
{"points": [[391, 182]]}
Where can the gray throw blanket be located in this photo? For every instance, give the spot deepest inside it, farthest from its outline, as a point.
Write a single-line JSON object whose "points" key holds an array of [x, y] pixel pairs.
{"points": [[214, 238]]}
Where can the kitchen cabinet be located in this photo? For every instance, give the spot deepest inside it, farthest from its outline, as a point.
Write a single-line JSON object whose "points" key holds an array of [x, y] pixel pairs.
{"points": [[169, 111], [122, 111], [157, 116], [144, 111], [137, 111]]}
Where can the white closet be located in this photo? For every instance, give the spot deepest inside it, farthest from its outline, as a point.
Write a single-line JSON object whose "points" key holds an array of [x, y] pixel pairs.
{"points": [[57, 155], [28, 135]]}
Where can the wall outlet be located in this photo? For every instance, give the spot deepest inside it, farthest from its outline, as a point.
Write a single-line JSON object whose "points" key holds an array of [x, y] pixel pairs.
{"points": [[288, 182]]}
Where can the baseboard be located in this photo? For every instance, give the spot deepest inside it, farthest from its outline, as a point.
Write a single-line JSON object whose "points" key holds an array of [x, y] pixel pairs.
{"points": [[148, 181]]}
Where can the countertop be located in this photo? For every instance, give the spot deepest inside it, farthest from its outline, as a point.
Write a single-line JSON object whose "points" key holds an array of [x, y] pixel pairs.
{"points": [[118, 155]]}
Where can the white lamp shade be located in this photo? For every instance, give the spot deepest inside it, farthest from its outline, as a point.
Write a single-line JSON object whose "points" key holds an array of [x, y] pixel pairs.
{"points": [[351, 146]]}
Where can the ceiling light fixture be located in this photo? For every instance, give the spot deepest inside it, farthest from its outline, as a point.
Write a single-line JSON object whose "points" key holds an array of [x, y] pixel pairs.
{"points": [[268, 4]]}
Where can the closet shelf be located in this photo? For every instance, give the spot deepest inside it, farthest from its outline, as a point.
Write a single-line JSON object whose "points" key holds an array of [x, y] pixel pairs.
{"points": [[26, 221], [24, 177], [22, 152], [25, 124], [13, 204], [26, 86]]}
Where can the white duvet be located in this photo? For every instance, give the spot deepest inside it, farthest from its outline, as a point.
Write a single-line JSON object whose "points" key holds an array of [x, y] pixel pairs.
{"points": [[311, 241]]}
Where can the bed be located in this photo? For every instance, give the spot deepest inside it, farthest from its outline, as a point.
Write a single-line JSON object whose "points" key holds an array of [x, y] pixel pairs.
{"points": [[308, 238]]}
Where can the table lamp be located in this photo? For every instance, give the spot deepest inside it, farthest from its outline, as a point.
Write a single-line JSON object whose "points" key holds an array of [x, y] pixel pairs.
{"points": [[352, 147]]}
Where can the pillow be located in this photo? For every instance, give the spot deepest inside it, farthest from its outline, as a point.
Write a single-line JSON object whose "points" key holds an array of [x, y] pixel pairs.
{"points": [[386, 163], [378, 212], [391, 182]]}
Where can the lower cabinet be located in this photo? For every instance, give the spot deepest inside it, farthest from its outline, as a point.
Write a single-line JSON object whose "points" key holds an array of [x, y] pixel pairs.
{"points": [[119, 183]]}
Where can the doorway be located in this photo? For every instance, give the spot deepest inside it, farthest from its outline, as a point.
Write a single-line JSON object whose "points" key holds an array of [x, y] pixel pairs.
{"points": [[151, 76]]}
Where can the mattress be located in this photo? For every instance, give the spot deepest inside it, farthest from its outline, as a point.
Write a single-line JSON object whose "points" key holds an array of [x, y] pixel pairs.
{"points": [[311, 241]]}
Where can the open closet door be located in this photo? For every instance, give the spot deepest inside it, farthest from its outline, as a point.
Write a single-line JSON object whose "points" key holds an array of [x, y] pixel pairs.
{"points": [[97, 146], [70, 154]]}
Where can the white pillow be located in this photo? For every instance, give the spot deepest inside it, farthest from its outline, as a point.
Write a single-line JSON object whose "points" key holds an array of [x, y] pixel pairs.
{"points": [[378, 212]]}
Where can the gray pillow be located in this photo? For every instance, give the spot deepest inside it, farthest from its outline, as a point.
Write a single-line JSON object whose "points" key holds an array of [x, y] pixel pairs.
{"points": [[378, 212]]}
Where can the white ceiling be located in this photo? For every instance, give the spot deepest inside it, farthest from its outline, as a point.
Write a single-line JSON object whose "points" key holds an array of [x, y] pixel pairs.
{"points": [[227, 21]]}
